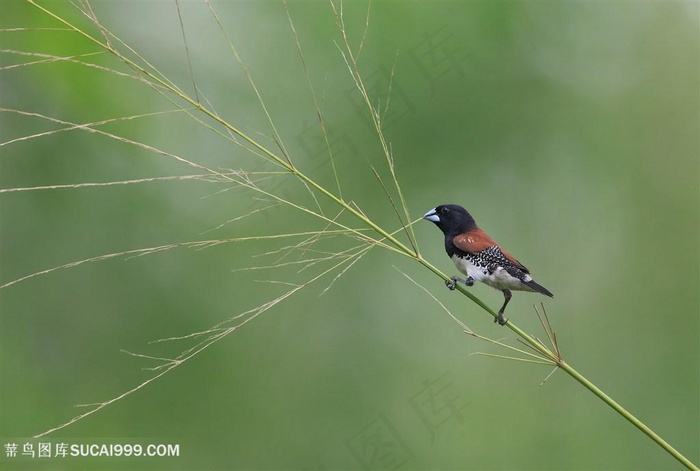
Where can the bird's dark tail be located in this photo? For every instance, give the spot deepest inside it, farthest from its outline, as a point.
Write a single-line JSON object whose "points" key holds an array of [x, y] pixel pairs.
{"points": [[539, 288]]}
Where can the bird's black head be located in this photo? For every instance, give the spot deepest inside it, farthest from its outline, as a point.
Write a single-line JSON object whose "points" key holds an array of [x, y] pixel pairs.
{"points": [[452, 219]]}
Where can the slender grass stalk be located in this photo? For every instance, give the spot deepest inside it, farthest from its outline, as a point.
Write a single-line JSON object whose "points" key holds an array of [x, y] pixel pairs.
{"points": [[371, 233]]}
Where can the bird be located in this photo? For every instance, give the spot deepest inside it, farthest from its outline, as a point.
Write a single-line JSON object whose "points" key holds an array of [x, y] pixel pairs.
{"points": [[478, 256]]}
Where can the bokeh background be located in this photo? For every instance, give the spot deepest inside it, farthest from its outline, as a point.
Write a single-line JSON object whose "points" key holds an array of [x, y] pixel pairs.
{"points": [[569, 130]]}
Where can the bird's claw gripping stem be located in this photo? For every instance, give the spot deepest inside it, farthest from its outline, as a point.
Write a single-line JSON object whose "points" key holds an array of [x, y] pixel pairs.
{"points": [[452, 285]]}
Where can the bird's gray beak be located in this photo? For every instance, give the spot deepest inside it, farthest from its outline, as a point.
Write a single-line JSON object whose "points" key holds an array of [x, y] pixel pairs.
{"points": [[432, 216]]}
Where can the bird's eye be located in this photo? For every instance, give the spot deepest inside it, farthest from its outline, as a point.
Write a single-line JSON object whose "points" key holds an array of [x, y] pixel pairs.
{"points": [[443, 210]]}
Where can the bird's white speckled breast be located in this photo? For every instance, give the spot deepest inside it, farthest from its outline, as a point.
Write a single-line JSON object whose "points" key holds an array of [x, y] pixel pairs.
{"points": [[499, 279]]}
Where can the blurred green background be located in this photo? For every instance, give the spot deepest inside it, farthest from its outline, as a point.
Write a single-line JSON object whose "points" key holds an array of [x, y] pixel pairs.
{"points": [[569, 130]]}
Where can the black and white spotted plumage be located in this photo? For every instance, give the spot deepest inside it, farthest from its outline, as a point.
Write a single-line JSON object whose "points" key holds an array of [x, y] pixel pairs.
{"points": [[479, 257]]}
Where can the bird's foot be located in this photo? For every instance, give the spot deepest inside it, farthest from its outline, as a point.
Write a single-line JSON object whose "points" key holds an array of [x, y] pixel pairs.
{"points": [[452, 285], [500, 319]]}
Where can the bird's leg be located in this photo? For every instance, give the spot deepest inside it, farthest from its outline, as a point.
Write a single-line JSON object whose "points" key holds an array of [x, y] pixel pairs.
{"points": [[453, 284], [500, 319]]}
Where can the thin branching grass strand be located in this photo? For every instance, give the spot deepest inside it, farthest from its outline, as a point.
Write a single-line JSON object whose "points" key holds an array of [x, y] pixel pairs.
{"points": [[156, 249], [169, 364], [319, 113], [183, 96]]}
